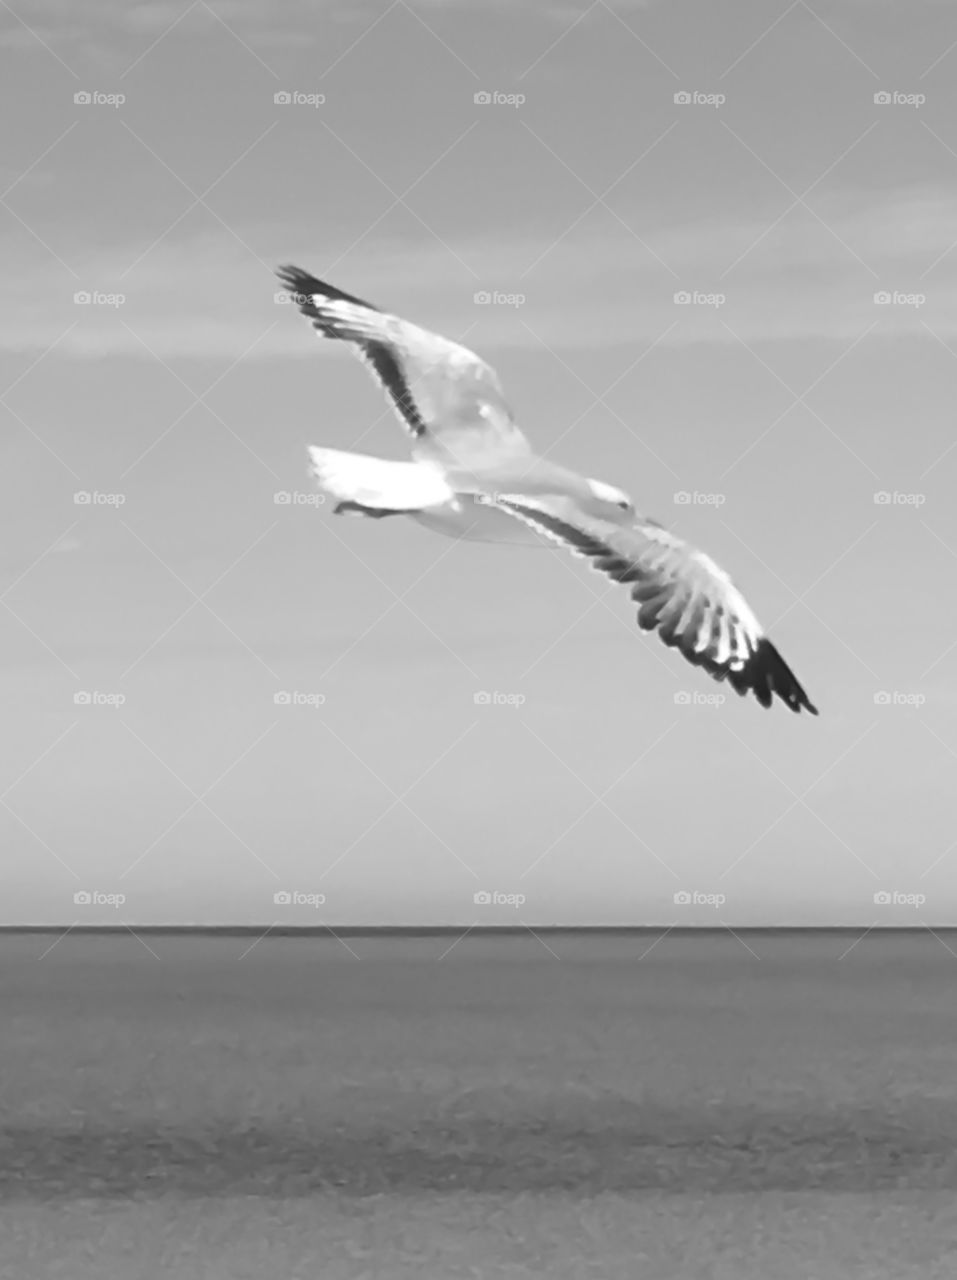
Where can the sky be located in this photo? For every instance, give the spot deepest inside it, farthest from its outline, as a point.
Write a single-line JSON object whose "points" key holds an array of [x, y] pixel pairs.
{"points": [[710, 248]]}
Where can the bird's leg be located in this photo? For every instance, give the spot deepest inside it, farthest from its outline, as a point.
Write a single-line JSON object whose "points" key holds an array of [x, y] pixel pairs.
{"points": [[350, 508]]}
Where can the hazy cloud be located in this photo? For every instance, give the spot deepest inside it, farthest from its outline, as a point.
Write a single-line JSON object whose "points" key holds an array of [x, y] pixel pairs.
{"points": [[204, 297]]}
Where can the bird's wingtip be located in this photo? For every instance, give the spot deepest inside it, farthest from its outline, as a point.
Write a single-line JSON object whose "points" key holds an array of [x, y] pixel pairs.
{"points": [[304, 285], [768, 674], [296, 280]]}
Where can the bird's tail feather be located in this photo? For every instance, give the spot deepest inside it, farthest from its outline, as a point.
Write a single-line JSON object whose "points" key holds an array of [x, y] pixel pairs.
{"points": [[377, 482]]}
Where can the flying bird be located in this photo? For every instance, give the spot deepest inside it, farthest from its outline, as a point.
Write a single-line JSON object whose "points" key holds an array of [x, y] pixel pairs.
{"points": [[474, 475]]}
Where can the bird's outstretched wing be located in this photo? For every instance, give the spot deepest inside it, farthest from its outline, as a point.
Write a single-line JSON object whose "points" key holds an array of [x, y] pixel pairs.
{"points": [[444, 394], [681, 593]]}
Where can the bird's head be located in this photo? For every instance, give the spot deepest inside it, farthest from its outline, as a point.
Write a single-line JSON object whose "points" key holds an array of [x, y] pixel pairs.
{"points": [[609, 496]]}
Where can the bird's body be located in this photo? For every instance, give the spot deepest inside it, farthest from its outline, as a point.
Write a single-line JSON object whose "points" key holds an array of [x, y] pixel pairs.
{"points": [[474, 475], [375, 487]]}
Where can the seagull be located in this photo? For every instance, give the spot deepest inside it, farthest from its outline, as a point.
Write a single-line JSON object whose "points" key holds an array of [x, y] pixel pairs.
{"points": [[474, 474]]}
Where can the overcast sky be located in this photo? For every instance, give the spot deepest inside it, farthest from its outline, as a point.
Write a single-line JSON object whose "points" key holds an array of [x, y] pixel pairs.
{"points": [[814, 368]]}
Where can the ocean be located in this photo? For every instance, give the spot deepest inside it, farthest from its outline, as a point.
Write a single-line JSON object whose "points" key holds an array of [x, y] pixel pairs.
{"points": [[775, 1105]]}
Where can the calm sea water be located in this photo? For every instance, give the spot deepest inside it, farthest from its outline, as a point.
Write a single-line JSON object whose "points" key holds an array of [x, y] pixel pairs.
{"points": [[628, 1076]]}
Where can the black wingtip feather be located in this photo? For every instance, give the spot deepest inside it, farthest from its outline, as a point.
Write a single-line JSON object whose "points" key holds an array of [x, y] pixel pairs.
{"points": [[766, 674], [301, 284]]}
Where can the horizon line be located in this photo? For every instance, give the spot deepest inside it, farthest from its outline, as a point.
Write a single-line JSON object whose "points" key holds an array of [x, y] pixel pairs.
{"points": [[439, 930]]}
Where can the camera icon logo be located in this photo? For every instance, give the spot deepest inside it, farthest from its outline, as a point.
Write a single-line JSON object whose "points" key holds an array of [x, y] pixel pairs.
{"points": [[682, 98], [682, 698], [282, 98], [882, 98], [82, 898], [482, 898], [482, 98], [883, 298], [882, 898], [682, 297], [682, 898], [82, 99], [82, 298], [283, 698], [282, 898], [82, 698]]}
